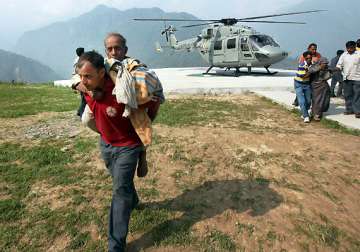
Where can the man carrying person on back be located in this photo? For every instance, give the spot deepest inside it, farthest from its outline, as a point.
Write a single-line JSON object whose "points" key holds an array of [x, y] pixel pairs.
{"points": [[315, 56], [349, 64], [120, 145], [116, 50]]}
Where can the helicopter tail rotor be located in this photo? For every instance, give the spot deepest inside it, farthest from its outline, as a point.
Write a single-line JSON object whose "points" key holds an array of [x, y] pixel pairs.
{"points": [[167, 31], [166, 34]]}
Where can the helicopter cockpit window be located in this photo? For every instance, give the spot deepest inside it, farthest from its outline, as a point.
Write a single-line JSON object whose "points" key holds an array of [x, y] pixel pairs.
{"points": [[262, 40], [244, 45], [231, 43], [218, 45]]}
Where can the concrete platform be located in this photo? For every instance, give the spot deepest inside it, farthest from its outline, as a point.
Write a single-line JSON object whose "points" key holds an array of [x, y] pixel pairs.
{"points": [[278, 88]]}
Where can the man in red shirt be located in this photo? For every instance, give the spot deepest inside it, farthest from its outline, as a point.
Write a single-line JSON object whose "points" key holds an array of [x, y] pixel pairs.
{"points": [[120, 145], [312, 48]]}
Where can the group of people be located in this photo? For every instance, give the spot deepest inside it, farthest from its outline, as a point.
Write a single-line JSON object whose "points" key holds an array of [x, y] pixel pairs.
{"points": [[311, 86], [122, 97]]}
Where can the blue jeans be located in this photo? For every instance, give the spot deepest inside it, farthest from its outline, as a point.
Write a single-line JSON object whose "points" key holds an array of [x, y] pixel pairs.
{"points": [[121, 163], [303, 94]]}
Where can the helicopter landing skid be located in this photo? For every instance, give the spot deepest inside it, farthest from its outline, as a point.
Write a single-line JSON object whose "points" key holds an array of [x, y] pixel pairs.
{"points": [[207, 71], [238, 73], [270, 73]]}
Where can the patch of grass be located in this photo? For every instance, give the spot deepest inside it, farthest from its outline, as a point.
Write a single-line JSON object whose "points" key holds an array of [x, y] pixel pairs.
{"points": [[9, 237], [174, 233], [151, 181], [78, 197], [211, 167], [80, 241], [178, 174], [144, 220], [23, 166], [327, 233], [148, 193], [284, 183], [46, 155], [20, 100], [340, 128], [84, 145], [271, 236], [248, 228], [218, 241], [193, 111], [329, 195], [11, 210], [9, 152]]}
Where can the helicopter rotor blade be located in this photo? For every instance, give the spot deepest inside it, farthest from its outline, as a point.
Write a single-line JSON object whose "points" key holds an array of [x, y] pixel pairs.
{"points": [[270, 22], [230, 21], [175, 19], [279, 15], [186, 26]]}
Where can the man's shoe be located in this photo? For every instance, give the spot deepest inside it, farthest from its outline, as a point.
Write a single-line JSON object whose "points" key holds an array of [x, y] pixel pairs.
{"points": [[357, 115], [306, 120], [142, 168], [348, 113]]}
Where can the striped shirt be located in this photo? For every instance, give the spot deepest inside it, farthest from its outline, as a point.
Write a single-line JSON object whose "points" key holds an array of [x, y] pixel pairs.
{"points": [[301, 72]]}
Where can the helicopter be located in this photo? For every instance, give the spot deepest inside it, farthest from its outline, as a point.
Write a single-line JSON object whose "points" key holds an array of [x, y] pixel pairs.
{"points": [[225, 44]]}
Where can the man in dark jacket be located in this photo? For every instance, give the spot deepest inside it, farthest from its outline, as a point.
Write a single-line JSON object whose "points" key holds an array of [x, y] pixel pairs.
{"points": [[337, 76]]}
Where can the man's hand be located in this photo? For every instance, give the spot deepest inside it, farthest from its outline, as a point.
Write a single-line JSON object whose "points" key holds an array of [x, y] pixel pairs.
{"points": [[154, 98], [81, 88]]}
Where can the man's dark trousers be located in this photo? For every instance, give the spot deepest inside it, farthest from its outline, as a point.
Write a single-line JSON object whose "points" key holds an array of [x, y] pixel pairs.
{"points": [[352, 96], [121, 163]]}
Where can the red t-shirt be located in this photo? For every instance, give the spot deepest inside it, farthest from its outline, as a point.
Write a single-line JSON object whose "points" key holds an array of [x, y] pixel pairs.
{"points": [[113, 127]]}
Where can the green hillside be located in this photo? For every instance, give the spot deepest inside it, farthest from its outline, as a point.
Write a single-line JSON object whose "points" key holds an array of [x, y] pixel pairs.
{"points": [[17, 68]]}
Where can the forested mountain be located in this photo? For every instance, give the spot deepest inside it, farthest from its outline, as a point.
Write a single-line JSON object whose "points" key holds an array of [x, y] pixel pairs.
{"points": [[55, 44], [14, 67]]}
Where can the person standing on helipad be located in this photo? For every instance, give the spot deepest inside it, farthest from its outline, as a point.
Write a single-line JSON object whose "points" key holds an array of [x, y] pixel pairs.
{"points": [[349, 64]]}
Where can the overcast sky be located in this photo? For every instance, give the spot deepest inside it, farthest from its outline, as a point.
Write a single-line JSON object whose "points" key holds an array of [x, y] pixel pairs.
{"points": [[18, 16]]}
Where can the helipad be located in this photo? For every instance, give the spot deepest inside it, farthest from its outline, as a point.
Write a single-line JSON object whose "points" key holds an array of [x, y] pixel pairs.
{"points": [[277, 87]]}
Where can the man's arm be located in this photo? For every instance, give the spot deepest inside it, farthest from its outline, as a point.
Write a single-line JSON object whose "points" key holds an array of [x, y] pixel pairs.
{"points": [[313, 69], [88, 120], [340, 63]]}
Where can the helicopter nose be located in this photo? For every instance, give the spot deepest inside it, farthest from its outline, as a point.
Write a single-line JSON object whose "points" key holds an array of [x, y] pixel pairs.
{"points": [[284, 54], [279, 55]]}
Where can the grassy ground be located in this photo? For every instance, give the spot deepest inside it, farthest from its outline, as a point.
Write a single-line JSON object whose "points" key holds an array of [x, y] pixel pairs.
{"points": [[228, 173], [21, 99]]}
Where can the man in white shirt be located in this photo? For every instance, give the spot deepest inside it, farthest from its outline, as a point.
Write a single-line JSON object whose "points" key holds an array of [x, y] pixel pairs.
{"points": [[349, 64]]}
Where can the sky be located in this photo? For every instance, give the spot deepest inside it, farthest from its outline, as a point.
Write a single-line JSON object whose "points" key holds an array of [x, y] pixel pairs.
{"points": [[18, 16]]}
